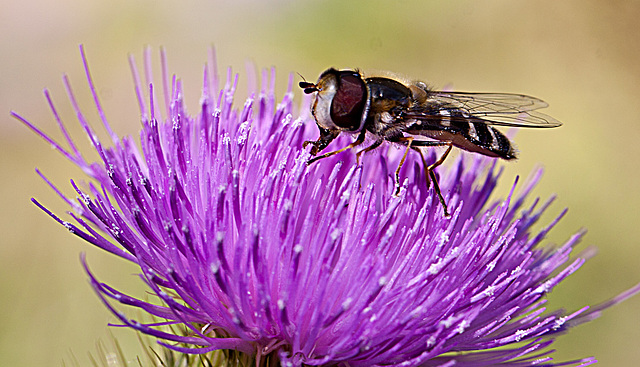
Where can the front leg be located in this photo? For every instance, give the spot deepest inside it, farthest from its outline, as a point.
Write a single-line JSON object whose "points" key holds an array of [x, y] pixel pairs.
{"points": [[358, 141], [326, 137]]}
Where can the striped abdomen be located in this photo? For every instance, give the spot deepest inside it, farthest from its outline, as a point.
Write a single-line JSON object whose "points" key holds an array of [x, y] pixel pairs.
{"points": [[466, 132]]}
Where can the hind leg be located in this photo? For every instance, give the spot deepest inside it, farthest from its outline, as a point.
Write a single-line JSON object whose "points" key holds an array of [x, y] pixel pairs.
{"points": [[429, 169]]}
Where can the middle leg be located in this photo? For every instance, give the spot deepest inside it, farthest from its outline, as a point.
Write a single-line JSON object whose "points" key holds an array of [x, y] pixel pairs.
{"points": [[429, 169]]}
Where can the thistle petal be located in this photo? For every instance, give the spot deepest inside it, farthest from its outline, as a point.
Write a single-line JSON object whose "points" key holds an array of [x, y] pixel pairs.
{"points": [[250, 250]]}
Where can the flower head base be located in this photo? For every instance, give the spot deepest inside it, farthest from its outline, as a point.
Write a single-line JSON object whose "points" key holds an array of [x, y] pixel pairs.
{"points": [[253, 251]]}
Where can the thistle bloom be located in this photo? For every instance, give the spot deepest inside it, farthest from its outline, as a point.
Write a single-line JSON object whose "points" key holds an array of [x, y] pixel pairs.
{"points": [[251, 250]]}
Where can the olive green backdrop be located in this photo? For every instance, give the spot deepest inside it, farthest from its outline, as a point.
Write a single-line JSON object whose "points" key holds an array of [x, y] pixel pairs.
{"points": [[582, 56]]}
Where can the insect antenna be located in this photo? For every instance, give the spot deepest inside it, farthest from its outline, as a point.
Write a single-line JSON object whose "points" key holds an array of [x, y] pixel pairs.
{"points": [[307, 86]]}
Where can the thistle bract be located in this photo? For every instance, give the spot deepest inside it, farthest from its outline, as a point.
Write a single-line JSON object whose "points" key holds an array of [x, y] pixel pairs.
{"points": [[251, 250]]}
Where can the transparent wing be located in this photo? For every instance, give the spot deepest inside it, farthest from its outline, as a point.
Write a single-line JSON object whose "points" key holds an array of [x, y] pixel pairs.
{"points": [[502, 109]]}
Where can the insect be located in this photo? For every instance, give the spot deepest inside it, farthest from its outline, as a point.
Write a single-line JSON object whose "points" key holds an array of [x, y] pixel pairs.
{"points": [[403, 112]]}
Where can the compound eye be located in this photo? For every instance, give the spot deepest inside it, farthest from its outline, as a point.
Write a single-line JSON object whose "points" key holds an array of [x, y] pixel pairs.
{"points": [[348, 103]]}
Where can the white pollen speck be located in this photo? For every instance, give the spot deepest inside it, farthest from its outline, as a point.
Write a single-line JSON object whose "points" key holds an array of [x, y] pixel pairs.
{"points": [[431, 341], [454, 252], [275, 172], [219, 236], [444, 238], [491, 266], [86, 199], [280, 304], [346, 195], [447, 322], [520, 334], [335, 234], [390, 231], [435, 267], [214, 268], [489, 291], [226, 140], [298, 249], [241, 139], [347, 303], [382, 281], [543, 288], [464, 324], [559, 322]]}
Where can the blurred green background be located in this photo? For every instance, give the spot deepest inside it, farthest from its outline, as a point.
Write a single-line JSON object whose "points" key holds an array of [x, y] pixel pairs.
{"points": [[582, 56]]}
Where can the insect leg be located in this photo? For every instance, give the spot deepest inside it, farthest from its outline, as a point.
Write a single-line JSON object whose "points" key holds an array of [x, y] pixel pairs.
{"points": [[358, 141], [443, 157], [435, 180], [402, 140], [326, 137], [370, 147], [431, 176]]}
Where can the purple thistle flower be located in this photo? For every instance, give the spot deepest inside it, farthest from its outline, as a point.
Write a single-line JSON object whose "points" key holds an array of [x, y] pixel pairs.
{"points": [[253, 251]]}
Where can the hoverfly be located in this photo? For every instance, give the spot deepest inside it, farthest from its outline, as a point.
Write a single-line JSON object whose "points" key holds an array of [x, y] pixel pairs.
{"points": [[399, 111]]}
